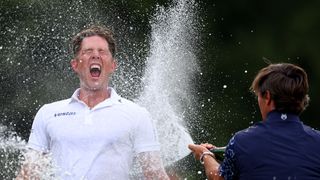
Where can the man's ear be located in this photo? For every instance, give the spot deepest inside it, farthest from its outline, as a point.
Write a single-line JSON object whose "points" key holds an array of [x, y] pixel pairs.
{"points": [[267, 96], [74, 64], [114, 65]]}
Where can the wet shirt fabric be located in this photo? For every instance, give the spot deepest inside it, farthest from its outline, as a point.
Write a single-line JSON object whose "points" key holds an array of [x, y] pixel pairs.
{"points": [[281, 147], [95, 143]]}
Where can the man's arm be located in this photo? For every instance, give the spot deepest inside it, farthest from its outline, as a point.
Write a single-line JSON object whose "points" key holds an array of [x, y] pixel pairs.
{"points": [[35, 164], [211, 166], [152, 166]]}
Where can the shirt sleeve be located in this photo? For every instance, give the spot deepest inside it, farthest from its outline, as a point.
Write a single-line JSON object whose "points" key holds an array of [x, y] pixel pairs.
{"points": [[227, 168], [39, 139], [145, 135]]}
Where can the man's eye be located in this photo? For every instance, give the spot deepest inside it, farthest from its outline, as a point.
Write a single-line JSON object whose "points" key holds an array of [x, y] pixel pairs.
{"points": [[102, 52], [90, 51], [87, 51]]}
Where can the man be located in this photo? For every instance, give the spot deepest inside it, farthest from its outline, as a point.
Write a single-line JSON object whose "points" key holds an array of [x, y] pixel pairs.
{"points": [[279, 147], [96, 133]]}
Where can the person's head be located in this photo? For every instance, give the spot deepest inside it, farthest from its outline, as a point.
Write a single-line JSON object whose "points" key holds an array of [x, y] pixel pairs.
{"points": [[94, 49], [95, 30], [283, 87]]}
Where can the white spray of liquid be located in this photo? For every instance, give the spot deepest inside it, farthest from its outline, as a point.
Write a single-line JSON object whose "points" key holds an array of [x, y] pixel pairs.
{"points": [[170, 66]]}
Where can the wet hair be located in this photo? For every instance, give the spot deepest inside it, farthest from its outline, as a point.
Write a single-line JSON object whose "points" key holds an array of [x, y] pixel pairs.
{"points": [[95, 30], [287, 84]]}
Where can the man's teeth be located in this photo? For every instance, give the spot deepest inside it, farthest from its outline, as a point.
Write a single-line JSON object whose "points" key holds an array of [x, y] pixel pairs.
{"points": [[95, 70], [95, 66]]}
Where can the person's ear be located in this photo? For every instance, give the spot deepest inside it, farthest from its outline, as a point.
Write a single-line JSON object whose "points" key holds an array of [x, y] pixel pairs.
{"points": [[114, 65], [74, 64], [267, 97]]}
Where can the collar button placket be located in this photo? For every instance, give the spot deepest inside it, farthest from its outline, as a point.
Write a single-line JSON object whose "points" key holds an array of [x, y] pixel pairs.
{"points": [[88, 116]]}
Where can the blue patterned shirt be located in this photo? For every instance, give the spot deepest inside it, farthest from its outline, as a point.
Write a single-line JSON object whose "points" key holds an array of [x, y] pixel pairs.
{"points": [[281, 147], [227, 168]]}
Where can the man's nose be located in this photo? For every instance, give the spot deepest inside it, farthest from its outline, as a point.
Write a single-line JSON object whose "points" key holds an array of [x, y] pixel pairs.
{"points": [[95, 54]]}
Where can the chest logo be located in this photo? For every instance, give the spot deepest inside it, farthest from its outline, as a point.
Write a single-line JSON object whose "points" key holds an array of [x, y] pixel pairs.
{"points": [[64, 114]]}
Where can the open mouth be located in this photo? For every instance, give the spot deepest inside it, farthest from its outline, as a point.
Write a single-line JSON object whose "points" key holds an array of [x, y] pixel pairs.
{"points": [[95, 70]]}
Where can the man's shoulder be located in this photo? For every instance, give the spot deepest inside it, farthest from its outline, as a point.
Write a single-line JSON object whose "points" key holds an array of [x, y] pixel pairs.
{"points": [[131, 105], [133, 110], [312, 131], [56, 104], [252, 132], [255, 128]]}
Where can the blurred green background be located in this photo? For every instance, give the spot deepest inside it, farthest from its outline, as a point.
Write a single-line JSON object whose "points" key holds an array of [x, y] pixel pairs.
{"points": [[237, 38]]}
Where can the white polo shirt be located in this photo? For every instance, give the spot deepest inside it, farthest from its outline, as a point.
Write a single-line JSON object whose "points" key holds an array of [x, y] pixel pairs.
{"points": [[97, 143]]}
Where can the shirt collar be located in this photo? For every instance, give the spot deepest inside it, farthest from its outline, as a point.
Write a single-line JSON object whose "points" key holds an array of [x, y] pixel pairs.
{"points": [[113, 99], [281, 116]]}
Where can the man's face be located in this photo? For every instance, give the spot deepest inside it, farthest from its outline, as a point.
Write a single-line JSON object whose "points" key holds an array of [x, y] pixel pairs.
{"points": [[94, 63]]}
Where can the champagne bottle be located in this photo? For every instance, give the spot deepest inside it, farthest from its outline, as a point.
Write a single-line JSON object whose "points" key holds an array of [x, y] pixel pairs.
{"points": [[218, 152]]}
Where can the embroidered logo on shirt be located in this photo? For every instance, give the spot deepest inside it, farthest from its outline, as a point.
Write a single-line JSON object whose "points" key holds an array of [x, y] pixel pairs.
{"points": [[65, 114], [283, 116]]}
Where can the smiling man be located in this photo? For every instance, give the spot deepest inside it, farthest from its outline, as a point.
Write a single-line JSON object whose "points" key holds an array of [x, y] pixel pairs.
{"points": [[95, 134]]}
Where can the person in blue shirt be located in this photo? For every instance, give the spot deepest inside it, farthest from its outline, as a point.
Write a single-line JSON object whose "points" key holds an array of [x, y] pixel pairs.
{"points": [[280, 147]]}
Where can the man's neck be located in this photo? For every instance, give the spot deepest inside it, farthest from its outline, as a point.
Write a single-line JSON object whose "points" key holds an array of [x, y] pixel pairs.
{"points": [[93, 97]]}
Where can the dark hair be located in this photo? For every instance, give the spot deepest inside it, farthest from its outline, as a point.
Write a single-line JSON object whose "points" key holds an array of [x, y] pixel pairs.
{"points": [[95, 30], [287, 84]]}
